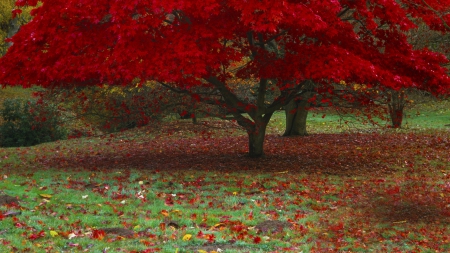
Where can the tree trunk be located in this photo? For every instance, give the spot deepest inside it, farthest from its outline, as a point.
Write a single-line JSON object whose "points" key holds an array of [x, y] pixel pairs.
{"points": [[256, 139], [296, 115], [13, 28], [194, 119], [396, 104], [396, 117]]}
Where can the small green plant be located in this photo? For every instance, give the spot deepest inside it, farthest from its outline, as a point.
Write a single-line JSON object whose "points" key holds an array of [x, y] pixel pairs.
{"points": [[29, 122]]}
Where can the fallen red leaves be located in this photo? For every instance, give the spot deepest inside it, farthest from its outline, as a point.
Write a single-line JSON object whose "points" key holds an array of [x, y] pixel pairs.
{"points": [[337, 154], [36, 235], [98, 234], [384, 192]]}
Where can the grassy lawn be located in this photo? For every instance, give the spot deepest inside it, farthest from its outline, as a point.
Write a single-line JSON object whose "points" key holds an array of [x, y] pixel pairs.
{"points": [[187, 188]]}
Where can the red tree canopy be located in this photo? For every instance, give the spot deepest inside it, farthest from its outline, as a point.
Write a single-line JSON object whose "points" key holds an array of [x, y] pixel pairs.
{"points": [[207, 48], [186, 42]]}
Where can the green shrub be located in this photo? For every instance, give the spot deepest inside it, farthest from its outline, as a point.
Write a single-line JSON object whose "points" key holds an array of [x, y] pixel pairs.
{"points": [[29, 122]]}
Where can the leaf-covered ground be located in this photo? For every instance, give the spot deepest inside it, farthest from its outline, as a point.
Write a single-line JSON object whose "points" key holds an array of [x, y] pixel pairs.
{"points": [[372, 192]]}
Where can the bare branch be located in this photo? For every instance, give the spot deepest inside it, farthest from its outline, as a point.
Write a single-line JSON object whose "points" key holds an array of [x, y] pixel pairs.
{"points": [[438, 14], [230, 98]]}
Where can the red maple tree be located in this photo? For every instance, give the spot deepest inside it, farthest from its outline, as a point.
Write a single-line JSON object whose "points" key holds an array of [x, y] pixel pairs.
{"points": [[204, 48]]}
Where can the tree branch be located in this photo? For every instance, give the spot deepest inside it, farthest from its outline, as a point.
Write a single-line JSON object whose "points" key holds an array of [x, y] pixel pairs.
{"points": [[261, 96], [230, 98], [438, 14]]}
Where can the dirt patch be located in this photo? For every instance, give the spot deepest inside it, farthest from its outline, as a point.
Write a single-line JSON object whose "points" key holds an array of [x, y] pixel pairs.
{"points": [[6, 199], [272, 226], [118, 231], [411, 213]]}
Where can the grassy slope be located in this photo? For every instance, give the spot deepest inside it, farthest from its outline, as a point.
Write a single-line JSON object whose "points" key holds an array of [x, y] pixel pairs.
{"points": [[384, 192]]}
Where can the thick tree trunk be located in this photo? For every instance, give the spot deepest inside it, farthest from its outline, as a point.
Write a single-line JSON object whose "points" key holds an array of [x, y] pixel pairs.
{"points": [[396, 117], [256, 140], [296, 115], [396, 104], [259, 114]]}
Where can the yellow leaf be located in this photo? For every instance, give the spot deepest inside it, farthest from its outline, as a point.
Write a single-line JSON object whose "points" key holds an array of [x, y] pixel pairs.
{"points": [[218, 225], [176, 211], [235, 193], [165, 213], [45, 195], [53, 233], [202, 251], [137, 227], [187, 237]]}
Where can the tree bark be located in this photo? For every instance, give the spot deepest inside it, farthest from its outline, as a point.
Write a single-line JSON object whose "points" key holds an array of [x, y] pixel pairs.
{"points": [[396, 117], [13, 28], [396, 104], [256, 137], [296, 115]]}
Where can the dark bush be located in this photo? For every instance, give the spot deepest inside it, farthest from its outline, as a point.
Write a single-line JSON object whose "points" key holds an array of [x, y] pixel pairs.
{"points": [[29, 122]]}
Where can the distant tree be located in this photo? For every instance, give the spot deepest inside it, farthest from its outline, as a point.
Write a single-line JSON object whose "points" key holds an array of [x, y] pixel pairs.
{"points": [[196, 48], [420, 38]]}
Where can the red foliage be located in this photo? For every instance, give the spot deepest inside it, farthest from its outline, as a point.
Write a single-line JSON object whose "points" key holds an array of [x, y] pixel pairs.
{"points": [[16, 12], [110, 42], [98, 234], [193, 47], [37, 236]]}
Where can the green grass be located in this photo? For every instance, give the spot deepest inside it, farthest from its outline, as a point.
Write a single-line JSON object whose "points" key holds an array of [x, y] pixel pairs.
{"points": [[431, 115], [227, 205], [72, 209], [152, 186]]}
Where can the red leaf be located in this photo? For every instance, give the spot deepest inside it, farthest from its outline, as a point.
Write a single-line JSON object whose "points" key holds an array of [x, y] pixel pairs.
{"points": [[257, 239], [393, 190], [36, 236], [211, 237], [98, 234], [183, 113], [337, 228], [169, 201], [16, 12]]}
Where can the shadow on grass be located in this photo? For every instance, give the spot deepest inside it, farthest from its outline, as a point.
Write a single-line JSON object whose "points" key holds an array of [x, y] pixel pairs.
{"points": [[346, 155], [411, 212], [415, 203]]}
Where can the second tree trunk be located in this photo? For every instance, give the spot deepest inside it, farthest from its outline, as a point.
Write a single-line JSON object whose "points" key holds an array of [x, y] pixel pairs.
{"points": [[296, 115]]}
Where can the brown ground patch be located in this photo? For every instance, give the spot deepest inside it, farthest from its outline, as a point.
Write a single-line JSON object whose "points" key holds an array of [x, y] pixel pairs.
{"points": [[118, 231], [410, 212], [6, 199]]}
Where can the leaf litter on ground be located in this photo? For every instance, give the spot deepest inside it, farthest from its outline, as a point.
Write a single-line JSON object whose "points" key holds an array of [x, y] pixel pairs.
{"points": [[320, 193]]}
